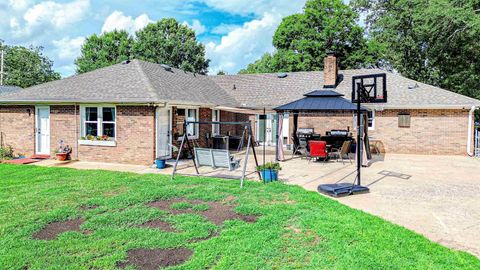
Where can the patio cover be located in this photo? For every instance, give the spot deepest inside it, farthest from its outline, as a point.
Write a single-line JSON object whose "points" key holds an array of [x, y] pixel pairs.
{"points": [[318, 101]]}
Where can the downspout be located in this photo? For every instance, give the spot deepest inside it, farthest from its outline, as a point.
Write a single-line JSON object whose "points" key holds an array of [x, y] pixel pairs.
{"points": [[76, 132], [470, 132]]}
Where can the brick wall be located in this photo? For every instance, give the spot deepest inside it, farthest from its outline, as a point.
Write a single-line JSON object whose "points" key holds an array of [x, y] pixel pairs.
{"points": [[234, 130], [17, 128], [135, 138], [323, 122], [434, 132], [64, 127]]}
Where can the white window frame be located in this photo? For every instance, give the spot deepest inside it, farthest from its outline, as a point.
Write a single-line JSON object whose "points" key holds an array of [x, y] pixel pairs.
{"points": [[99, 121], [215, 118], [197, 116], [373, 120]]}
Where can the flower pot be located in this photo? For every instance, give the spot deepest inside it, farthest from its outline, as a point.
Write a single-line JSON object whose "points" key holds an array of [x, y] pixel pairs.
{"points": [[269, 175], [62, 156], [160, 163]]}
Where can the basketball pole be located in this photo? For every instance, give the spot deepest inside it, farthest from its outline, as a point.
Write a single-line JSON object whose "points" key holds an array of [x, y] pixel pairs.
{"points": [[359, 138]]}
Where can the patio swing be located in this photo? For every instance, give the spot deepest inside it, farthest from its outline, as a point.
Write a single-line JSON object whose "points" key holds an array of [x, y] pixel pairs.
{"points": [[218, 158]]}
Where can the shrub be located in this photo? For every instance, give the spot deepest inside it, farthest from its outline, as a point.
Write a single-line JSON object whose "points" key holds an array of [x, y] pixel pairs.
{"points": [[6, 153]]}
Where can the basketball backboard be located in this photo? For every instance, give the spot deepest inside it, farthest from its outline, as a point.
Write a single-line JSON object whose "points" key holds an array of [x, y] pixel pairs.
{"points": [[372, 87]]}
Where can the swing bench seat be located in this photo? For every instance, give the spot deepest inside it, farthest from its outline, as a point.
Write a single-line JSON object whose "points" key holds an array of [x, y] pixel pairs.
{"points": [[216, 158]]}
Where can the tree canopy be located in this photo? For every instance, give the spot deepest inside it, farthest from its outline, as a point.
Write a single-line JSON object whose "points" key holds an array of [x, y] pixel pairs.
{"points": [[436, 42], [302, 40], [104, 50], [25, 67], [164, 42], [169, 42]]}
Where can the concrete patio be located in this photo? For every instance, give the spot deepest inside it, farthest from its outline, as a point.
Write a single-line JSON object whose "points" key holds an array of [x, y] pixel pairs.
{"points": [[436, 196]]}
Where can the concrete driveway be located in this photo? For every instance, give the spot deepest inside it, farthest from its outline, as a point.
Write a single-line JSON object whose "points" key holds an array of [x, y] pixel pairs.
{"points": [[436, 196]]}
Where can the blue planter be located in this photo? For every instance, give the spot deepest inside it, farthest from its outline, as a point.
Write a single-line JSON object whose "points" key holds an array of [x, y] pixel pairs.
{"points": [[269, 175], [160, 163]]}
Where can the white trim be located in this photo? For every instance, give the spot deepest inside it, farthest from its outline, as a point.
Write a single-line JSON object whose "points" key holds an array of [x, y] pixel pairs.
{"points": [[373, 120], [97, 143], [216, 119], [37, 114], [197, 117], [170, 129], [99, 121]]}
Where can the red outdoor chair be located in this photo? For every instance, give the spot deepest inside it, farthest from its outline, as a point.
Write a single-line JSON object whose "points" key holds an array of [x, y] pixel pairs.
{"points": [[318, 149]]}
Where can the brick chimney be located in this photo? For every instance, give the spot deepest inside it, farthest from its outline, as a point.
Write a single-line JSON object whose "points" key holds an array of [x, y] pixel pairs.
{"points": [[330, 70]]}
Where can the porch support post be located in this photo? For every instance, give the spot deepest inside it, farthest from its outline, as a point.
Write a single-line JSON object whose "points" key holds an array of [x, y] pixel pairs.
{"points": [[295, 127]]}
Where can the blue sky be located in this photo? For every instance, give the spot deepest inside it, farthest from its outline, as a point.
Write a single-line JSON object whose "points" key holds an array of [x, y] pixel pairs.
{"points": [[235, 32]]}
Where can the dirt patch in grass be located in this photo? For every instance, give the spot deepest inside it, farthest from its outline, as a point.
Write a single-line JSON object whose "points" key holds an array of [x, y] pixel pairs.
{"points": [[158, 224], [146, 259], [219, 213], [52, 230], [216, 213]]}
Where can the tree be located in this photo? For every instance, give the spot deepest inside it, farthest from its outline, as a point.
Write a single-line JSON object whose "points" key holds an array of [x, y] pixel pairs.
{"points": [[221, 72], [25, 67], [104, 50], [262, 65], [435, 41], [302, 40], [169, 42]]}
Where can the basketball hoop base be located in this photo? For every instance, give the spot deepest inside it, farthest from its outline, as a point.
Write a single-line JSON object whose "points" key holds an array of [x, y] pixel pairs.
{"points": [[342, 189]]}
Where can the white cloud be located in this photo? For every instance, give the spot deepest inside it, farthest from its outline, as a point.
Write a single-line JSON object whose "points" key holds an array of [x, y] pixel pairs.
{"points": [[19, 5], [223, 29], [14, 23], [68, 48], [197, 26], [29, 21], [243, 45], [117, 20], [57, 14]]}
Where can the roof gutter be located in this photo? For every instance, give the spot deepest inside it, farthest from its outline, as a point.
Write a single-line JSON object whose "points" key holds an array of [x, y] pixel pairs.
{"points": [[56, 102], [425, 107]]}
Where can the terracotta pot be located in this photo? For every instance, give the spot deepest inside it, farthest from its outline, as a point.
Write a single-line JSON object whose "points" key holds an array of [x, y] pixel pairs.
{"points": [[61, 156]]}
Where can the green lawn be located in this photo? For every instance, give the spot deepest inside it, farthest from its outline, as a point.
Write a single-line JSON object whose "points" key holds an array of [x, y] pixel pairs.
{"points": [[295, 228]]}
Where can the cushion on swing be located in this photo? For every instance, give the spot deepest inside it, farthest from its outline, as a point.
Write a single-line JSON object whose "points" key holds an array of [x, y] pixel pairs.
{"points": [[215, 158]]}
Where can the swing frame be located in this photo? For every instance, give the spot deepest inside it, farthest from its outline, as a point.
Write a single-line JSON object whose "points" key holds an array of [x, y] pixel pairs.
{"points": [[250, 144]]}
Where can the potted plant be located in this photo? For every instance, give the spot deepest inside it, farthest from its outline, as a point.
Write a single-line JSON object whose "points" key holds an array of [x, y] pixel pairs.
{"points": [[269, 171], [61, 156], [63, 152]]}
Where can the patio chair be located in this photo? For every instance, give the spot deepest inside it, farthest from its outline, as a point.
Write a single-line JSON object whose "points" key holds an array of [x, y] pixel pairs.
{"points": [[301, 148], [318, 149], [342, 152]]}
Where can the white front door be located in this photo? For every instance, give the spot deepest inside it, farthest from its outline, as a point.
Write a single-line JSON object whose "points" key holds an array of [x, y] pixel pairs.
{"points": [[43, 130], [164, 133]]}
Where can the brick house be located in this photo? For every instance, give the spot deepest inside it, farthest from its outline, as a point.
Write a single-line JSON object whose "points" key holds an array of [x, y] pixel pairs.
{"points": [[133, 112], [439, 121]]}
